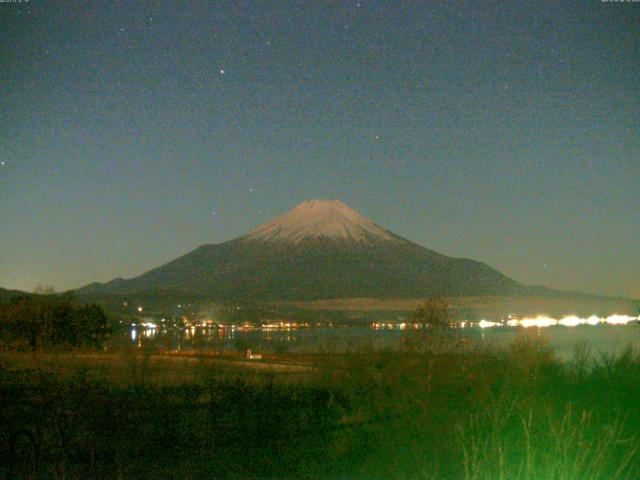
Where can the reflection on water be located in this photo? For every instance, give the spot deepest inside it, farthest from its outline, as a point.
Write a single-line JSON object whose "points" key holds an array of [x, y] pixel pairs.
{"points": [[601, 334]]}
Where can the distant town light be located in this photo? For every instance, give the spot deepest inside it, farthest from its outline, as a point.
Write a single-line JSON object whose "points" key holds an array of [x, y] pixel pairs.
{"points": [[486, 324], [539, 321], [571, 321], [619, 319]]}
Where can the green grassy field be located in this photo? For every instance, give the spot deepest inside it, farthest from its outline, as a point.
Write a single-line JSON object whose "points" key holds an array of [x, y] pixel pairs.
{"points": [[508, 413]]}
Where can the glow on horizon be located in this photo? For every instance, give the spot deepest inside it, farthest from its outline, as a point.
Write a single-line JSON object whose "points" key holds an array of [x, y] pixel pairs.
{"points": [[542, 321], [539, 321], [486, 324]]}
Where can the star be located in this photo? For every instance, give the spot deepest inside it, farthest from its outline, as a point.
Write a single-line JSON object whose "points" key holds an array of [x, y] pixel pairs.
{"points": [[222, 71], [2, 163]]}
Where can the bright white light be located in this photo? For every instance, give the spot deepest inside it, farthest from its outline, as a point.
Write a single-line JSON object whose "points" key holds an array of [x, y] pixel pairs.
{"points": [[539, 321], [571, 321], [486, 324], [619, 319], [140, 309], [542, 321], [593, 320], [133, 334]]}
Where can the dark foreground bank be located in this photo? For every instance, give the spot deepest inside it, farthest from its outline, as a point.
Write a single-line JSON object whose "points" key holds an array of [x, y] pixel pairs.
{"points": [[513, 413]]}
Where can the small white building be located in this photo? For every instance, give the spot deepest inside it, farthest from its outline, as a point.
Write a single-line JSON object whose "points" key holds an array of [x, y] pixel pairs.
{"points": [[253, 356]]}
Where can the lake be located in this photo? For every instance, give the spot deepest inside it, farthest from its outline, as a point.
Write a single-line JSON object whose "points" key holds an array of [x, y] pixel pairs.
{"points": [[600, 338]]}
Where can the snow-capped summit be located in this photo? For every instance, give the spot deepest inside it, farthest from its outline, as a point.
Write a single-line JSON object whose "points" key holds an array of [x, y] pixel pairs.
{"points": [[330, 219], [321, 249]]}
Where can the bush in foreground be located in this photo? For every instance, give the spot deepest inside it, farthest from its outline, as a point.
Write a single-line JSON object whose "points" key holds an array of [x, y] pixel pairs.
{"points": [[513, 413]]}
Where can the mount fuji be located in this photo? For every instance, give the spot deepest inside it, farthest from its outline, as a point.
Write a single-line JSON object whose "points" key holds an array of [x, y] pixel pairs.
{"points": [[321, 249]]}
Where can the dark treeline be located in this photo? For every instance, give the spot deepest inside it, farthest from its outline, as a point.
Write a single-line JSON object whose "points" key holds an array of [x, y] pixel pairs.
{"points": [[44, 321]]}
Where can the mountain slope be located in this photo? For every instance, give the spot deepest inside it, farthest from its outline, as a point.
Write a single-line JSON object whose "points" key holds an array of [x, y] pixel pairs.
{"points": [[319, 250]]}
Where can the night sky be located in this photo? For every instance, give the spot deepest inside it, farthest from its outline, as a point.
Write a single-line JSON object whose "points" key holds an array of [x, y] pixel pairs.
{"points": [[507, 132]]}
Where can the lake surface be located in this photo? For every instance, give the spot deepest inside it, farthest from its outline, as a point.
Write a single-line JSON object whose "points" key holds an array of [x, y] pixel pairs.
{"points": [[600, 338]]}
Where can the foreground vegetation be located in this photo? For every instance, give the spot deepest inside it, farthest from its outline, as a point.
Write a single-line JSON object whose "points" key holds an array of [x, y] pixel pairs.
{"points": [[513, 413]]}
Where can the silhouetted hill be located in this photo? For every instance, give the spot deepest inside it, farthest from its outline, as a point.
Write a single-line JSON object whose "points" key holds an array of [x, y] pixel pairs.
{"points": [[8, 294]]}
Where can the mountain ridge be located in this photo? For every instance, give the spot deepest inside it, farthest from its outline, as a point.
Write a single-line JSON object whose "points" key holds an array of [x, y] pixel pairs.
{"points": [[320, 249]]}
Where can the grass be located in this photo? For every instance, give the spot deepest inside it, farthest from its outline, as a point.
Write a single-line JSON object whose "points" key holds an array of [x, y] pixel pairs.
{"points": [[419, 412]]}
